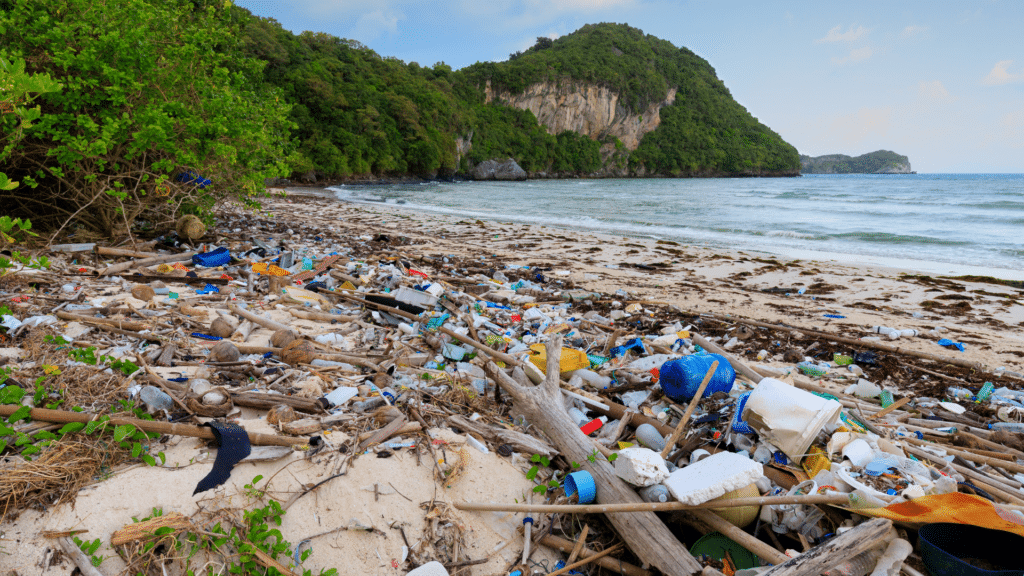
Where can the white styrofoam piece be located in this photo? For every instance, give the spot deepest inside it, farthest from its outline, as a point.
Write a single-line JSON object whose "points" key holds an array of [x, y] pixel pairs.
{"points": [[640, 466], [434, 568], [712, 477], [342, 394], [788, 417]]}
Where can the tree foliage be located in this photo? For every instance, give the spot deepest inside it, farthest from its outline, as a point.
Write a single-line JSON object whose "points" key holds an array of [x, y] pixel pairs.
{"points": [[881, 161], [152, 89]]}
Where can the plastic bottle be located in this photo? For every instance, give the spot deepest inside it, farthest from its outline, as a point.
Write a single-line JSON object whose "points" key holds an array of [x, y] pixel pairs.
{"points": [[656, 493], [1008, 426], [592, 378], [648, 436], [156, 399], [986, 392], [958, 393], [892, 559], [908, 333]]}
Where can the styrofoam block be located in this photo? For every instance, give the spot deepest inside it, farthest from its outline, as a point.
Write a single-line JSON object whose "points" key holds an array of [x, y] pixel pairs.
{"points": [[640, 466], [429, 569], [712, 477]]}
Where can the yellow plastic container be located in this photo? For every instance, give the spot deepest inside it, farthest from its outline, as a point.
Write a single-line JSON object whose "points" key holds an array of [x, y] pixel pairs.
{"points": [[741, 516], [571, 359]]}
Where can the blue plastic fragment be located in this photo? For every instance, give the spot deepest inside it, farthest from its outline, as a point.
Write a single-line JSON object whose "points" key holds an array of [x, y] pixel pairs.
{"points": [[947, 342], [833, 316], [206, 336]]}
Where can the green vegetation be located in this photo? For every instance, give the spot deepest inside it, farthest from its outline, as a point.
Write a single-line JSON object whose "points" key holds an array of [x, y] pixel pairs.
{"points": [[704, 132], [110, 110], [149, 89], [880, 162]]}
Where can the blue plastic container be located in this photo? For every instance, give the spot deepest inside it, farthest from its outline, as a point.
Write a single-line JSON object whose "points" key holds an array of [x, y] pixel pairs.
{"points": [[218, 257], [957, 549], [581, 481], [739, 425], [681, 378]]}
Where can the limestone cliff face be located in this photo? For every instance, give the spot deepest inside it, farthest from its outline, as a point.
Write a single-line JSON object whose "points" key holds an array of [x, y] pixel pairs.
{"points": [[587, 109]]}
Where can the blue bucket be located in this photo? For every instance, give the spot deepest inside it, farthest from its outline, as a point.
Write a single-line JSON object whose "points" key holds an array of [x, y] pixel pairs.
{"points": [[681, 378]]}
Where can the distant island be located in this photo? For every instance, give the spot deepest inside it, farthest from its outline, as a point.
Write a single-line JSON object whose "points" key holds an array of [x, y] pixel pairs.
{"points": [[880, 162]]}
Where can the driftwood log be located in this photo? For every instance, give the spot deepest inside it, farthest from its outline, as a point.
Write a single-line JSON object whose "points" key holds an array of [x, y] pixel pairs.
{"points": [[865, 344], [644, 533], [826, 556], [519, 441]]}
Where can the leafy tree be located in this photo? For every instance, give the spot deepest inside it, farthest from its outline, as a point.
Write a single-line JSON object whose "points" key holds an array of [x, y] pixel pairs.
{"points": [[152, 90]]}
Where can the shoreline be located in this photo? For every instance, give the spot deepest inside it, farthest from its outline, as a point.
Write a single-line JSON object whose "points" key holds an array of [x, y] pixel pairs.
{"points": [[987, 317], [894, 265]]}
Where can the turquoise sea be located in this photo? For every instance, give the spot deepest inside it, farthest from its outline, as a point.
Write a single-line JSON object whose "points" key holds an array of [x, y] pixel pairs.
{"points": [[934, 223]]}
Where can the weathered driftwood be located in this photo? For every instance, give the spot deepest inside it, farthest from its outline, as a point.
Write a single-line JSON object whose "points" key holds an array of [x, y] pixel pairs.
{"points": [[519, 441], [147, 262], [63, 417], [836, 551], [265, 322], [506, 358], [612, 565], [865, 344], [644, 533], [332, 356], [78, 557], [321, 316], [122, 324]]}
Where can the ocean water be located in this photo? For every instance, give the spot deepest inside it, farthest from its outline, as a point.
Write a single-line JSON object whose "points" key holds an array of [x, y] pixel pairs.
{"points": [[934, 223]]}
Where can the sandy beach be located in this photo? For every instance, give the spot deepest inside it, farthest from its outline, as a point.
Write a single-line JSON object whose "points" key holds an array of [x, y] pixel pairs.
{"points": [[385, 507], [988, 318]]}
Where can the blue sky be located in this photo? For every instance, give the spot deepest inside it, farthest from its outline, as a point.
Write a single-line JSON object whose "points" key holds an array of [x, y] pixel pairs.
{"points": [[939, 81]]}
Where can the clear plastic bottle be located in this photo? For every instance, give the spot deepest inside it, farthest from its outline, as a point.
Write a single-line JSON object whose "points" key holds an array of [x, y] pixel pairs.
{"points": [[156, 399]]}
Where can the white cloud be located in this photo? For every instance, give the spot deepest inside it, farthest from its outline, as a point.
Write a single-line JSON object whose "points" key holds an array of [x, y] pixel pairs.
{"points": [[836, 34], [913, 30], [1001, 74], [934, 92], [372, 24], [852, 129], [855, 55]]}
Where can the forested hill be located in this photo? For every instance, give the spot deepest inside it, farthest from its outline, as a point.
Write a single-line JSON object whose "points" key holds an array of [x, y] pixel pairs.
{"points": [[703, 131], [358, 113], [880, 162], [109, 114]]}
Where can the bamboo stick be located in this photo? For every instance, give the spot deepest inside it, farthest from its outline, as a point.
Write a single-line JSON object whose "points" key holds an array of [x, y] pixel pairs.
{"points": [[63, 417], [652, 506], [991, 461], [612, 565], [105, 251], [147, 262], [586, 560]]}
